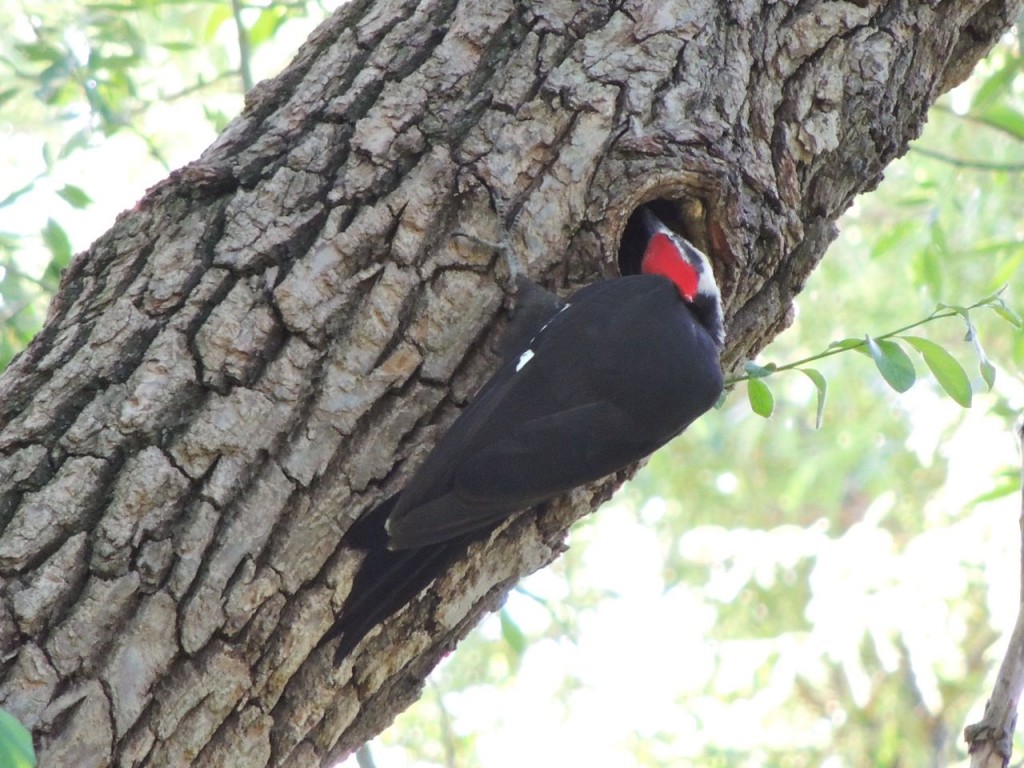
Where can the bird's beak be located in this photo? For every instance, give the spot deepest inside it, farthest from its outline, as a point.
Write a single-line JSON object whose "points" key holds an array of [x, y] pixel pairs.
{"points": [[651, 223]]}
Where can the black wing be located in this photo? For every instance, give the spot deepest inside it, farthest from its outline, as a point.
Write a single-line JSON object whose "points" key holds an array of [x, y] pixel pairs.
{"points": [[594, 398], [618, 372]]}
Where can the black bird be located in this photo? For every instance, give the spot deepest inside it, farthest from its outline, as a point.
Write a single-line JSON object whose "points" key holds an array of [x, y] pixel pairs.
{"points": [[587, 387]]}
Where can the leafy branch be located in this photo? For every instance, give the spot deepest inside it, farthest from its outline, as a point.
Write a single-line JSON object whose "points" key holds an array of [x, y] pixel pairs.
{"points": [[892, 361]]}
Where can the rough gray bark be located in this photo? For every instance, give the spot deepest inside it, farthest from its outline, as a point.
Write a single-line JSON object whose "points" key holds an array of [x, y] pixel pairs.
{"points": [[266, 344]]}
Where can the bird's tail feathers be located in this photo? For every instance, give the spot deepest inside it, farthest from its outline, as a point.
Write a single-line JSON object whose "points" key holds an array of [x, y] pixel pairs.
{"points": [[386, 580]]}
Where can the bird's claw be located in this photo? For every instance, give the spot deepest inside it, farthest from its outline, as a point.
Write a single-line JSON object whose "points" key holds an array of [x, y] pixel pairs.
{"points": [[516, 272]]}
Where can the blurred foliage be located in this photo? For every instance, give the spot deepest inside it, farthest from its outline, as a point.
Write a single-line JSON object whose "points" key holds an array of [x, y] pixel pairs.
{"points": [[765, 592], [75, 77]]}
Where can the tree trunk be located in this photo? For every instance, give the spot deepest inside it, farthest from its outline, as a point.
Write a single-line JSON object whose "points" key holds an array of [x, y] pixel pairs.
{"points": [[271, 340]]}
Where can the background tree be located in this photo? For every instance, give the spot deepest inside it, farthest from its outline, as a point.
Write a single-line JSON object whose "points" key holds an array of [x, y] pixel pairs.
{"points": [[774, 293]]}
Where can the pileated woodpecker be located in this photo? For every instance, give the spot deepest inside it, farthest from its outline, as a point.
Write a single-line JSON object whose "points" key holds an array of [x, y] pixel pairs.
{"points": [[587, 387]]}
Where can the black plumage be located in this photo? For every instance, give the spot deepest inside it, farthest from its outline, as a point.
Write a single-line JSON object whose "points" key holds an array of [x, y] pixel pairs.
{"points": [[586, 387]]}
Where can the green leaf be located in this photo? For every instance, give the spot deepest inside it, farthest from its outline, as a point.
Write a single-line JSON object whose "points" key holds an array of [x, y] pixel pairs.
{"points": [[893, 363], [995, 297], [1005, 118], [218, 15], [1006, 271], [945, 368], [16, 194], [512, 634], [76, 196], [79, 140], [995, 87], [822, 386], [988, 371], [41, 51], [57, 242], [760, 396], [217, 118], [848, 344], [266, 25], [959, 309], [756, 371], [177, 47], [965, 313], [1005, 483], [9, 243], [894, 237], [15, 743], [1008, 315], [919, 198], [998, 304], [926, 268]]}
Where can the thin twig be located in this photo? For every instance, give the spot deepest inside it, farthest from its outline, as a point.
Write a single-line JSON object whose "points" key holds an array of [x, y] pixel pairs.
{"points": [[244, 47], [447, 734], [199, 85], [976, 165], [936, 315], [990, 741]]}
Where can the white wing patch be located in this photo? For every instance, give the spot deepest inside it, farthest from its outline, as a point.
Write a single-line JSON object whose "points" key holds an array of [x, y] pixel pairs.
{"points": [[527, 356], [524, 358]]}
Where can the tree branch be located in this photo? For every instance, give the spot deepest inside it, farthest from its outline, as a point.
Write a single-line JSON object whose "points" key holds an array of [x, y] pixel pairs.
{"points": [[990, 741]]}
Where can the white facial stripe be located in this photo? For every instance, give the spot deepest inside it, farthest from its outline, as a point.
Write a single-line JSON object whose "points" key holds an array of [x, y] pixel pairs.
{"points": [[524, 358], [706, 277], [707, 285]]}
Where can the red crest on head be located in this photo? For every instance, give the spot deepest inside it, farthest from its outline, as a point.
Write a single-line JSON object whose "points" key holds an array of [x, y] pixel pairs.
{"points": [[663, 257]]}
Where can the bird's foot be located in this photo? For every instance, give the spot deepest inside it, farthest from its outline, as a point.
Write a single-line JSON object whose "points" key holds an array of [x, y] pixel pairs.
{"points": [[503, 248]]}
